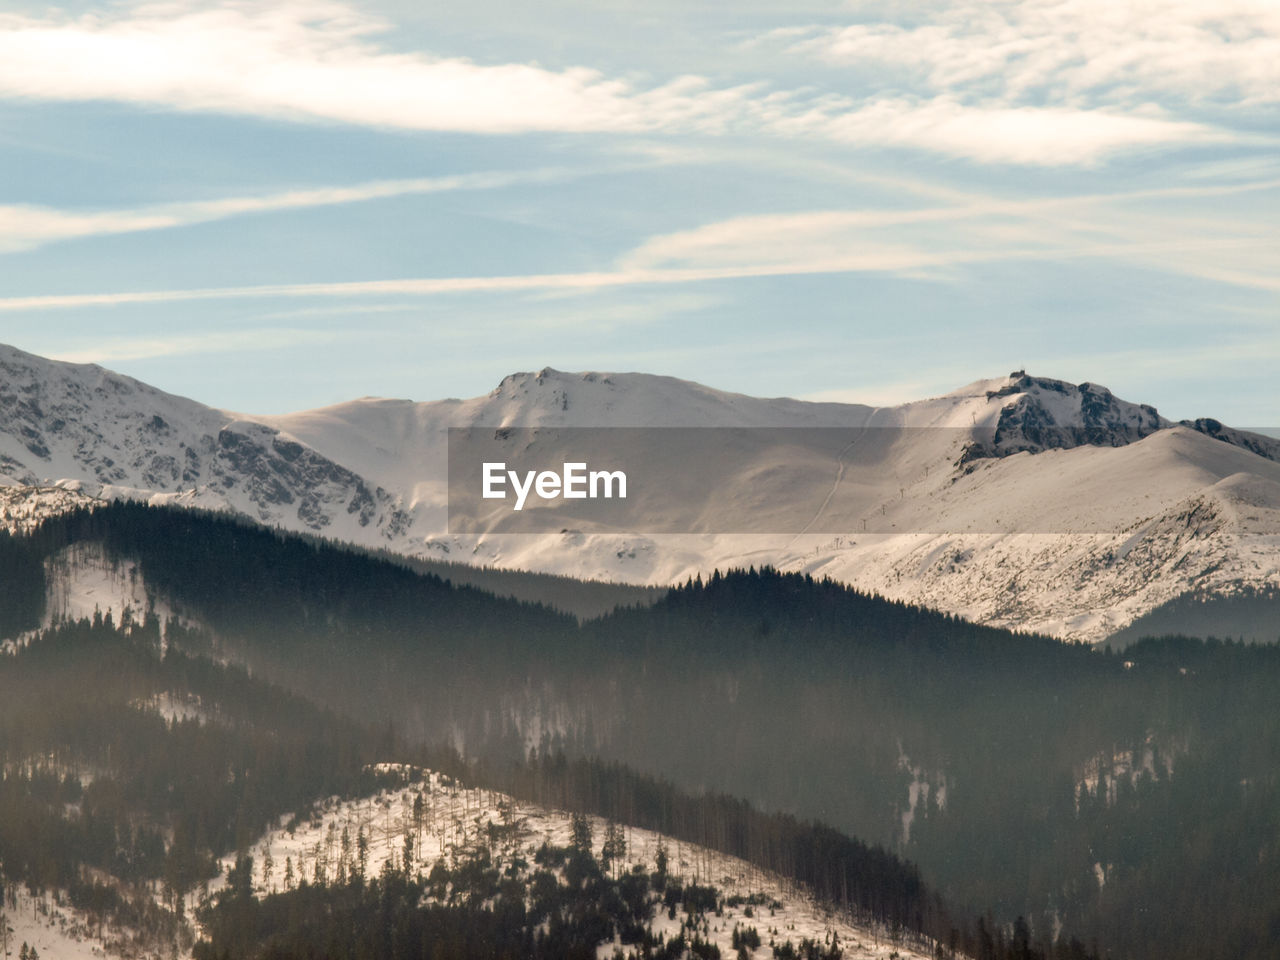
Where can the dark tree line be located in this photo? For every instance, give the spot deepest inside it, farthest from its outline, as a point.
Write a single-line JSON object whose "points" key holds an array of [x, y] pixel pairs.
{"points": [[23, 581], [873, 884]]}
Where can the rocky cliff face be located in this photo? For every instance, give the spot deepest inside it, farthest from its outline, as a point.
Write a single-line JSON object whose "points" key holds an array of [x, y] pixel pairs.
{"points": [[92, 431], [1039, 414]]}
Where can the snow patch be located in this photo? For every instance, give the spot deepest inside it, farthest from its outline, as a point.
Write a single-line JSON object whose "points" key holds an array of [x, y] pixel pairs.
{"points": [[57, 931], [84, 581]]}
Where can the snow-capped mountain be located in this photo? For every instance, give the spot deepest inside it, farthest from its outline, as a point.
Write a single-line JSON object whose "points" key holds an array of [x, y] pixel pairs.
{"points": [[1018, 501]]}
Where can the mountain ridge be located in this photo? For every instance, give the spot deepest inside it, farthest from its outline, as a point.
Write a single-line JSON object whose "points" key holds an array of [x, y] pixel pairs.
{"points": [[1018, 501]]}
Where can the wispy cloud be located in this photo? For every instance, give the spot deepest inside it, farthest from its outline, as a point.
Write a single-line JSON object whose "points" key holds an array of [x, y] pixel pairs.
{"points": [[25, 226], [921, 242], [1207, 53], [322, 61], [1035, 135], [894, 260], [319, 60], [924, 241], [416, 286]]}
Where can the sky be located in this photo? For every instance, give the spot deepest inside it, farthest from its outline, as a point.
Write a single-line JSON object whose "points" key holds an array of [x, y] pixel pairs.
{"points": [[275, 206]]}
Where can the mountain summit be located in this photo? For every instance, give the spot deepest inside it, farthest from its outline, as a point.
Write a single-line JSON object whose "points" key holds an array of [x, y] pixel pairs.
{"points": [[1019, 501]]}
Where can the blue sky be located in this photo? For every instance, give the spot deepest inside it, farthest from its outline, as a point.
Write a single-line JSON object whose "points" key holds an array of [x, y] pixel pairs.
{"points": [[272, 206]]}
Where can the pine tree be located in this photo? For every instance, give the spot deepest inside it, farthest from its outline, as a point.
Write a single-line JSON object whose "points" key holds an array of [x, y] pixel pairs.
{"points": [[580, 837], [615, 845], [362, 852]]}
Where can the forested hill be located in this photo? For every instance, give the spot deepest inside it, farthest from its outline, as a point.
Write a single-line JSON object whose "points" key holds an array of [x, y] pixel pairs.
{"points": [[1129, 797], [754, 610], [129, 755]]}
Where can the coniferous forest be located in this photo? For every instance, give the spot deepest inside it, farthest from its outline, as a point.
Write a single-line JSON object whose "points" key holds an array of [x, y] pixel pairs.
{"points": [[1000, 793]]}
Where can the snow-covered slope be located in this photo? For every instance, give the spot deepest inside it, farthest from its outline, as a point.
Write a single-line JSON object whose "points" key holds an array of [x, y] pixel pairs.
{"points": [[456, 820], [1019, 501], [92, 431]]}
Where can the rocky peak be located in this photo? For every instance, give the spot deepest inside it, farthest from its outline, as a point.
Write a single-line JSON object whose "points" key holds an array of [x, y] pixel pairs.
{"points": [[1043, 414]]}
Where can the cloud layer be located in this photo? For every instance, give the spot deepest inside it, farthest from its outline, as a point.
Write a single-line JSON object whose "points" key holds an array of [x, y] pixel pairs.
{"points": [[327, 62]]}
